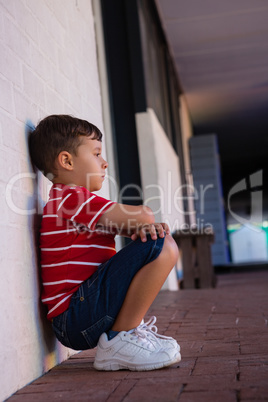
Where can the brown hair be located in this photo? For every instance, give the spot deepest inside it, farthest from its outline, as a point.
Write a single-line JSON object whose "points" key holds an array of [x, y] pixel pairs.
{"points": [[57, 133]]}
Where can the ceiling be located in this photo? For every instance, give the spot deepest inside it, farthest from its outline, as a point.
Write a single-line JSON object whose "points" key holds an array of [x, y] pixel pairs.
{"points": [[220, 49]]}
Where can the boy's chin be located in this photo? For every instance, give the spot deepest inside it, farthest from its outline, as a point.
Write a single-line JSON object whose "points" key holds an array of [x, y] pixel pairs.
{"points": [[95, 188]]}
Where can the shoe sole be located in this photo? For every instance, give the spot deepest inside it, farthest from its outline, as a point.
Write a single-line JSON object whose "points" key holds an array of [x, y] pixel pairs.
{"points": [[118, 364]]}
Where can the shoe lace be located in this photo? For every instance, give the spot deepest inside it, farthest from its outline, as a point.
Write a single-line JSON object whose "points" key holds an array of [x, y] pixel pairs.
{"points": [[141, 335], [151, 328]]}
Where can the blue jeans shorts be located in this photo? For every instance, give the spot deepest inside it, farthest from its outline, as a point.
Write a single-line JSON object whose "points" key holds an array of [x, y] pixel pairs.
{"points": [[95, 305]]}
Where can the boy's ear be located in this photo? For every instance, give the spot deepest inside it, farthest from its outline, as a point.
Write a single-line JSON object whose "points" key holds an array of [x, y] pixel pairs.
{"points": [[65, 160]]}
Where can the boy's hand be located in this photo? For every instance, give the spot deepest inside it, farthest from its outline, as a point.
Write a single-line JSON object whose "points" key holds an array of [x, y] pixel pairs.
{"points": [[154, 229]]}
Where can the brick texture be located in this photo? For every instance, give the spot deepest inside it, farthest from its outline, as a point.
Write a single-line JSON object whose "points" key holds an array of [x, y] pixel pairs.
{"points": [[48, 65], [213, 367]]}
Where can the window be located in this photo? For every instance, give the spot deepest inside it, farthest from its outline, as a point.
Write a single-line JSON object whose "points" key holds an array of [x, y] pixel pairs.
{"points": [[161, 83]]}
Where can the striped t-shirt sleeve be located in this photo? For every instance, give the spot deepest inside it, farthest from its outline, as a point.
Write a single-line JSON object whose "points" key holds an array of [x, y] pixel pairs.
{"points": [[80, 206]]}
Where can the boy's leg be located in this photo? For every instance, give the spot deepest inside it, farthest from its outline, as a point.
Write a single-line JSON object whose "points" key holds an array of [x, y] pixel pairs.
{"points": [[145, 286], [107, 296], [136, 347]]}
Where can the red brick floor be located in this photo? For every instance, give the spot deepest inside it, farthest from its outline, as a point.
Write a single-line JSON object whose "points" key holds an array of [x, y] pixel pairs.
{"points": [[223, 333]]}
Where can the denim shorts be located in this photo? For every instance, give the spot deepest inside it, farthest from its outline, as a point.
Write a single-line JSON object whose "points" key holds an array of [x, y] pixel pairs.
{"points": [[94, 307]]}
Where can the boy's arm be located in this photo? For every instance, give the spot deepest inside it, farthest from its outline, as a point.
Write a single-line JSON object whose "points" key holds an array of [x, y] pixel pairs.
{"points": [[132, 221]]}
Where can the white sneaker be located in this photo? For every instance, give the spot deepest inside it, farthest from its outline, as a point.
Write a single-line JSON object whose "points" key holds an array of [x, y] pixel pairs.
{"points": [[165, 341], [135, 350]]}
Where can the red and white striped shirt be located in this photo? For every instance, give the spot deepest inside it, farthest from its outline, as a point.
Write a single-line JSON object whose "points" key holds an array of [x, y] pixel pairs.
{"points": [[71, 247]]}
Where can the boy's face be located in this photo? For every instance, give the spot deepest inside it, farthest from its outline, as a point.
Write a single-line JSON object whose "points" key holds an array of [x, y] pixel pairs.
{"points": [[89, 165]]}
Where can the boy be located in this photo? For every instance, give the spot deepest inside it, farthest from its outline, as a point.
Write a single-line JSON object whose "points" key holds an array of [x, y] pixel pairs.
{"points": [[94, 295]]}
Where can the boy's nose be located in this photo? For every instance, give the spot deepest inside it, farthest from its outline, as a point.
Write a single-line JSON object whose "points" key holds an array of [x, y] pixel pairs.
{"points": [[105, 164]]}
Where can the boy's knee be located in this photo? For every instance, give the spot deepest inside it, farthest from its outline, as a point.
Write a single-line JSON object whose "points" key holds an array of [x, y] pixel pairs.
{"points": [[171, 248]]}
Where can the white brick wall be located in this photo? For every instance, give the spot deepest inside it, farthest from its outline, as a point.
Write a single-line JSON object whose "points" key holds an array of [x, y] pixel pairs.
{"points": [[47, 65]]}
